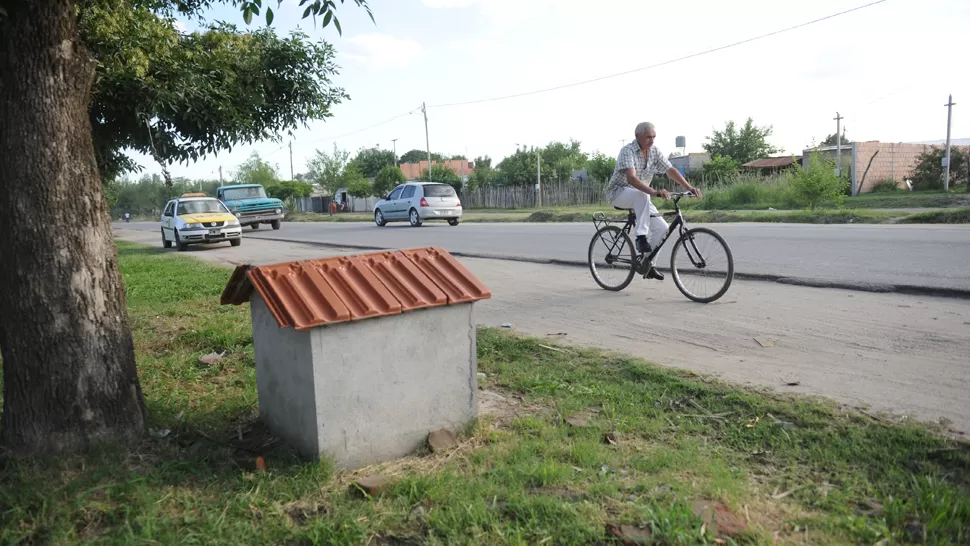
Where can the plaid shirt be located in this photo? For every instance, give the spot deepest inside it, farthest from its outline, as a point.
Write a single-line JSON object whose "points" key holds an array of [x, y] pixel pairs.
{"points": [[645, 167]]}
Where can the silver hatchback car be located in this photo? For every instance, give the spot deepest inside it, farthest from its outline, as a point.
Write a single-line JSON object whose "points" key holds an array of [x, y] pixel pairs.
{"points": [[417, 202]]}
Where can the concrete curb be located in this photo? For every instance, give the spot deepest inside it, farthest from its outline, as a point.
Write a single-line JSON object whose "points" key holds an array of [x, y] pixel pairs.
{"points": [[795, 281]]}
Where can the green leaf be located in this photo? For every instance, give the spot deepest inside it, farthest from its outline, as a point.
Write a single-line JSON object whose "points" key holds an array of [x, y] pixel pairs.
{"points": [[326, 19], [269, 16], [247, 16], [307, 11], [336, 23]]}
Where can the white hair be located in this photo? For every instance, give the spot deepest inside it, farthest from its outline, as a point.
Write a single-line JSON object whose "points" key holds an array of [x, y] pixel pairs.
{"points": [[643, 127]]}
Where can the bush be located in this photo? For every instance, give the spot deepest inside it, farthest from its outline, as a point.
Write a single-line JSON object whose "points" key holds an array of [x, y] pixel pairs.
{"points": [[886, 186], [928, 172], [722, 170], [387, 179], [818, 183]]}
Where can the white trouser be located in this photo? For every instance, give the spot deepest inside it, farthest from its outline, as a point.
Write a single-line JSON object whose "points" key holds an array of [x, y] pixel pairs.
{"points": [[653, 227]]}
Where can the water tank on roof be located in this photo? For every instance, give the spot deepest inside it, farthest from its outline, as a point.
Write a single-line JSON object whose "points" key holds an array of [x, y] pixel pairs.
{"points": [[681, 142]]}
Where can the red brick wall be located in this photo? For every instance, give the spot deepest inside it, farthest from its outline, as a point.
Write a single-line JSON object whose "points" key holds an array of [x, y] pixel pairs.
{"points": [[412, 171], [895, 161]]}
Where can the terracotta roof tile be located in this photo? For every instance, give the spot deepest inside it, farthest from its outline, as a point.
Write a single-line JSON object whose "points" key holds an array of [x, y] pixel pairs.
{"points": [[412, 288], [331, 290], [452, 277]]}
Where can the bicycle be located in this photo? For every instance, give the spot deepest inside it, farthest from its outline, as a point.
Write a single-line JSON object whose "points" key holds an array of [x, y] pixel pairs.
{"points": [[639, 262]]}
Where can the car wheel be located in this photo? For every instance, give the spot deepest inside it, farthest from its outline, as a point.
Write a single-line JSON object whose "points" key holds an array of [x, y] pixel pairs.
{"points": [[276, 224], [379, 218], [254, 226], [178, 242], [415, 218], [453, 222], [165, 242], [235, 242]]}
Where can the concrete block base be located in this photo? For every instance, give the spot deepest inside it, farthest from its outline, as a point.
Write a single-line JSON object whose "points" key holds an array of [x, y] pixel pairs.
{"points": [[366, 391]]}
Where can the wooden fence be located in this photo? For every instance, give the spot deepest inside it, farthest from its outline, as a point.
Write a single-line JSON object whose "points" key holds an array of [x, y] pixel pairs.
{"points": [[554, 194]]}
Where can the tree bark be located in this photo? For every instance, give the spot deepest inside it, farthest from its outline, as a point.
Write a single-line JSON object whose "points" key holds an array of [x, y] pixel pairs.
{"points": [[69, 376]]}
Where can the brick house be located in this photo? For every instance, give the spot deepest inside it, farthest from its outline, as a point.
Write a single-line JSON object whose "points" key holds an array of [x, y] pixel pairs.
{"points": [[462, 167], [872, 162]]}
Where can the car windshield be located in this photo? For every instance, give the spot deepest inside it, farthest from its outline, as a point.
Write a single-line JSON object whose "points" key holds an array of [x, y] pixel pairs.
{"points": [[439, 190], [201, 206], [243, 193]]}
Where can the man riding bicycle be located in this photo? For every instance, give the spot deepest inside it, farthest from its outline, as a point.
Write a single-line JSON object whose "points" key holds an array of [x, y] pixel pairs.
{"points": [[629, 188]]}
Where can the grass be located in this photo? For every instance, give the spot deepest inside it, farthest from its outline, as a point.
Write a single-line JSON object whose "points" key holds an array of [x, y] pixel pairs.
{"points": [[797, 469], [949, 216]]}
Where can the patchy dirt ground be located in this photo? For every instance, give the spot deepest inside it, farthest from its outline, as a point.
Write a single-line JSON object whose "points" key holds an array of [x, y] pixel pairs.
{"points": [[886, 352]]}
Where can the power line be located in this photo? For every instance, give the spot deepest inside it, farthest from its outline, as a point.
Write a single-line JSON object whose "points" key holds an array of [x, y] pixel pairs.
{"points": [[366, 128], [564, 86]]}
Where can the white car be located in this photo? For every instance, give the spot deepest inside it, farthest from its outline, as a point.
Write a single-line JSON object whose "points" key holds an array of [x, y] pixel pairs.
{"points": [[416, 202], [196, 218]]}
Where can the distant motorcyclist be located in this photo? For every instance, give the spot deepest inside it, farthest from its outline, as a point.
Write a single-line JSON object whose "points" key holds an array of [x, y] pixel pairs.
{"points": [[127, 217]]}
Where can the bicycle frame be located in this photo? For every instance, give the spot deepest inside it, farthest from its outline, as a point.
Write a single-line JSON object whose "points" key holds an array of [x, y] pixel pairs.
{"points": [[679, 223]]}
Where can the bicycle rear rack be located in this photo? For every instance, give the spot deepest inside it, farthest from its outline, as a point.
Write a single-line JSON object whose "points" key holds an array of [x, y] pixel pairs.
{"points": [[600, 219]]}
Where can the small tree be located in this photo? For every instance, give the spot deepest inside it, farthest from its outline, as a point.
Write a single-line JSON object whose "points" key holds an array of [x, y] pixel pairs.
{"points": [[722, 169], [817, 183], [359, 188], [288, 190], [356, 184], [387, 179], [928, 172], [440, 173], [746, 144], [600, 167]]}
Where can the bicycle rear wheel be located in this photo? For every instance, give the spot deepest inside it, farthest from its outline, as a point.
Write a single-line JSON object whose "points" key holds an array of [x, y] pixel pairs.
{"points": [[612, 258], [702, 265]]}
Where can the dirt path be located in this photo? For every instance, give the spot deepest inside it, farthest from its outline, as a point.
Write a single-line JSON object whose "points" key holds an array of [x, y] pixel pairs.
{"points": [[908, 355]]}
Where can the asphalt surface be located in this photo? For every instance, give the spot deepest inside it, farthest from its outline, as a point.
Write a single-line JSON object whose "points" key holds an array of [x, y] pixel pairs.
{"points": [[907, 258], [898, 353]]}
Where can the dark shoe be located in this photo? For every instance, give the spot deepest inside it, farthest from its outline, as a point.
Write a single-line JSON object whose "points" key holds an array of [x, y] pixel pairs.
{"points": [[654, 274], [643, 247]]}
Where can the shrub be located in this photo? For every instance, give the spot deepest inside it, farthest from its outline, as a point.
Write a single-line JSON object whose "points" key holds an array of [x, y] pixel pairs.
{"points": [[389, 177], [818, 183], [886, 186]]}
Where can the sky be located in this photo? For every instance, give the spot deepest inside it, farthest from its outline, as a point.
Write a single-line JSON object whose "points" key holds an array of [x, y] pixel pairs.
{"points": [[887, 69]]}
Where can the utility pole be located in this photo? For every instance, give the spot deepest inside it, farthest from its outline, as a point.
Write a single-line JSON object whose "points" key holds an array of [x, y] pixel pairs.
{"points": [[394, 142], [838, 144], [946, 174], [291, 160], [220, 174], [538, 179], [427, 143]]}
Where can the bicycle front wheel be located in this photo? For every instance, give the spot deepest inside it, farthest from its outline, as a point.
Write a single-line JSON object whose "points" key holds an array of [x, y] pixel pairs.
{"points": [[702, 265], [612, 258]]}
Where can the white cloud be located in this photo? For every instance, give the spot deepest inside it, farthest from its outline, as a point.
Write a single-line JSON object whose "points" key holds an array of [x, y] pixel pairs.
{"points": [[380, 51]]}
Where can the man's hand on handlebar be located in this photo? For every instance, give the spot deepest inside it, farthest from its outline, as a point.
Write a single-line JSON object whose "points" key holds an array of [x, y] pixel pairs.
{"points": [[697, 192], [662, 193]]}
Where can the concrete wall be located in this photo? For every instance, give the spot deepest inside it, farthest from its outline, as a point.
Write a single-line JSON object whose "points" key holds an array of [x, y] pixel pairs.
{"points": [[693, 162], [284, 379], [378, 386]]}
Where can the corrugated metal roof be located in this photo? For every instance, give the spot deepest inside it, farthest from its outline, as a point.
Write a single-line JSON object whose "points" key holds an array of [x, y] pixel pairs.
{"points": [[326, 291], [770, 162]]}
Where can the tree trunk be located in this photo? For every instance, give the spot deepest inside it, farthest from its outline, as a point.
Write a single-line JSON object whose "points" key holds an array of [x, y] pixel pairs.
{"points": [[69, 377]]}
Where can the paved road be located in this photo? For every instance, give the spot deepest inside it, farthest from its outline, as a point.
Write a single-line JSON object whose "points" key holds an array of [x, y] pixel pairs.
{"points": [[899, 353], [935, 256]]}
